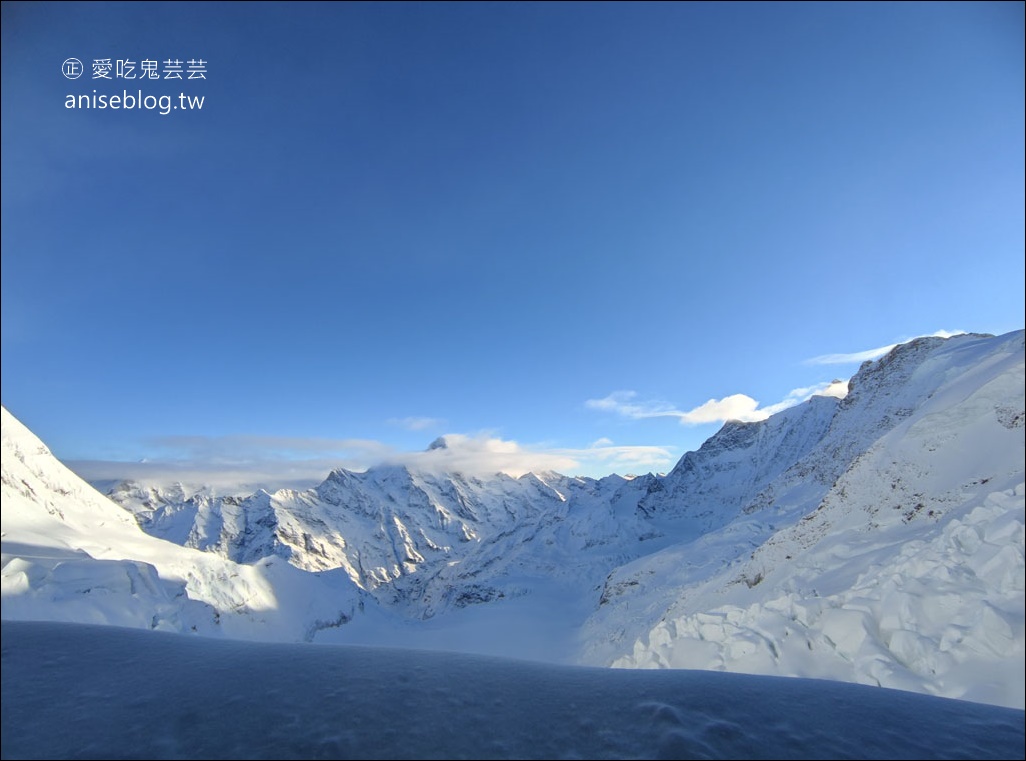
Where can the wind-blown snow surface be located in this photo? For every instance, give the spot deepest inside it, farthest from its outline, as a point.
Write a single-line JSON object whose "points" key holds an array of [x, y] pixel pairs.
{"points": [[74, 691], [875, 539]]}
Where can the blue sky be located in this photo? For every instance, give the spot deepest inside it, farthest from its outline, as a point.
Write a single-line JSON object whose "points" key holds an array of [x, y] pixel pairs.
{"points": [[551, 230]]}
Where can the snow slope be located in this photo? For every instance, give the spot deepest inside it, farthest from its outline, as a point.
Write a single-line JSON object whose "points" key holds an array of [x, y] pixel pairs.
{"points": [[393, 530], [74, 691], [908, 572], [70, 554]]}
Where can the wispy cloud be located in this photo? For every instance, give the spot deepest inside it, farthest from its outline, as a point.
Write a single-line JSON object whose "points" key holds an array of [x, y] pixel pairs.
{"points": [[857, 357], [835, 388], [604, 456], [740, 406], [238, 464], [230, 449], [483, 454], [624, 403], [487, 454], [735, 407], [243, 464], [240, 478], [417, 423]]}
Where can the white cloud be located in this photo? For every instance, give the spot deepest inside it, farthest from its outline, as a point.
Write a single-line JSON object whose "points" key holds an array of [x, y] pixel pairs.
{"points": [[483, 454], [739, 407], [417, 423], [868, 354], [622, 403], [624, 459], [240, 449], [243, 464], [835, 388], [240, 478], [852, 358], [735, 407], [238, 464], [486, 454]]}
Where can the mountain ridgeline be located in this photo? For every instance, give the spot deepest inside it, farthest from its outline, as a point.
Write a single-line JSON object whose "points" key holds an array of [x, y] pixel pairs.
{"points": [[877, 538]]}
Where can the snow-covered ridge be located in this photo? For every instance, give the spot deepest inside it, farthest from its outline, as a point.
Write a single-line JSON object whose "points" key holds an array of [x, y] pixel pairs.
{"points": [[70, 554], [906, 570], [876, 539]]}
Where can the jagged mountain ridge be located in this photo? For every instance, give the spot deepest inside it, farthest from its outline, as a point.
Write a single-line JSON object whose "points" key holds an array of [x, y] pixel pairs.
{"points": [[907, 570], [70, 554], [426, 541], [396, 532], [765, 529], [414, 538]]}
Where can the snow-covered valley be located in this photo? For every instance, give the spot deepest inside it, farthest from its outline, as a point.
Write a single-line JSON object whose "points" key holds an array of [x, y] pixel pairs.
{"points": [[877, 539]]}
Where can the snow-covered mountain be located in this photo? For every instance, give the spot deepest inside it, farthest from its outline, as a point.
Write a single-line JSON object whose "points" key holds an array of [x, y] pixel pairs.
{"points": [[878, 539], [70, 554], [891, 554]]}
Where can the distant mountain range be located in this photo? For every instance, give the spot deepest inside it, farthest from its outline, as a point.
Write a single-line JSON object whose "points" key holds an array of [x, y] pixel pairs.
{"points": [[877, 538]]}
